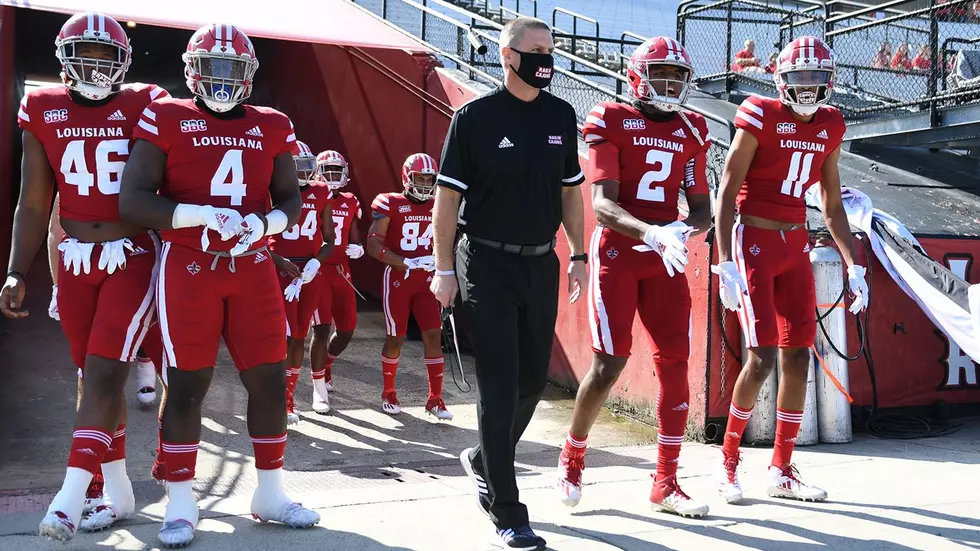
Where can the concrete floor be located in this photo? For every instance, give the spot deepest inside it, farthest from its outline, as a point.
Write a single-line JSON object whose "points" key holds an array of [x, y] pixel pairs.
{"points": [[384, 482]]}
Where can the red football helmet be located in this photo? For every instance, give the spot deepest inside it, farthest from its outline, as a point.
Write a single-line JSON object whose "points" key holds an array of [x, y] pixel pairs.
{"points": [[305, 163], [805, 74], [416, 166], [219, 65], [332, 168], [662, 51], [82, 69]]}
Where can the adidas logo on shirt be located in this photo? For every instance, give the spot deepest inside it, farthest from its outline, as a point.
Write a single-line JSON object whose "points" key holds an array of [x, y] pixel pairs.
{"points": [[311, 196], [679, 133], [255, 131], [117, 116], [822, 134], [504, 143]]}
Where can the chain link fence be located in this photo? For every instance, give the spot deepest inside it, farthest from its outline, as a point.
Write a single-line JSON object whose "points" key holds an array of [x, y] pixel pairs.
{"points": [[452, 42]]}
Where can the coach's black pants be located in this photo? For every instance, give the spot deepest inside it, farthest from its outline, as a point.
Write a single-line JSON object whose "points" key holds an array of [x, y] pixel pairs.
{"points": [[511, 305]]}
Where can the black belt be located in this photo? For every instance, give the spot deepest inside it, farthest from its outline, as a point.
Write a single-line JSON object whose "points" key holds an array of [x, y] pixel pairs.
{"points": [[522, 250]]}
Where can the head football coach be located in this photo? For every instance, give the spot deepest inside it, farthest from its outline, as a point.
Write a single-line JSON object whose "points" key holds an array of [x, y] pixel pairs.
{"points": [[510, 177]]}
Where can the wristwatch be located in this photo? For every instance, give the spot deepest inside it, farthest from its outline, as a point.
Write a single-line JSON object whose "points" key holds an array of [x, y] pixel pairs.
{"points": [[580, 257]]}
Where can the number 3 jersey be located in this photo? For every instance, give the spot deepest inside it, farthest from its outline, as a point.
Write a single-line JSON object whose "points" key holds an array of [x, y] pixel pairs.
{"points": [[224, 162], [789, 159], [346, 213], [410, 226], [87, 145], [654, 159], [304, 239]]}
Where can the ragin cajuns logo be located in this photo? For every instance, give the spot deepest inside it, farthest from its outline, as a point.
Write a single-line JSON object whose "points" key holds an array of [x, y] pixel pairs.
{"points": [[961, 370]]}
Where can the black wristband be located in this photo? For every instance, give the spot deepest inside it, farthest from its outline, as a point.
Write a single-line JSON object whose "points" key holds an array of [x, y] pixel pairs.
{"points": [[581, 257], [16, 273]]}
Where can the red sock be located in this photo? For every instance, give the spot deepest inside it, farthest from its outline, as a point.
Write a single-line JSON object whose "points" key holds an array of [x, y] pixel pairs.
{"points": [[328, 369], [787, 427], [292, 376], [737, 419], [435, 367], [117, 449], [574, 444], [672, 406], [181, 460], [88, 448], [389, 367], [159, 472], [269, 451]]}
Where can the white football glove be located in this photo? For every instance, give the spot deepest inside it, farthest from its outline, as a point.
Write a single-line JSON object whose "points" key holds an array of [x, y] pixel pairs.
{"points": [[669, 241], [732, 287], [859, 287], [226, 222], [310, 270], [427, 263], [77, 255], [114, 255], [252, 230], [292, 290], [53, 306], [355, 251]]}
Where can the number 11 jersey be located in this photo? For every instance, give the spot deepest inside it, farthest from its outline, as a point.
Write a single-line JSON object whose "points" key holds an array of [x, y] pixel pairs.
{"points": [[789, 157], [224, 162]]}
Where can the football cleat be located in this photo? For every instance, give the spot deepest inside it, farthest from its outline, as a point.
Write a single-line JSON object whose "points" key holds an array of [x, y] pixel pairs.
{"points": [[569, 484], [57, 526], [176, 533], [728, 485], [390, 405], [293, 515], [667, 495], [321, 397], [786, 483], [93, 494], [437, 408], [146, 381]]}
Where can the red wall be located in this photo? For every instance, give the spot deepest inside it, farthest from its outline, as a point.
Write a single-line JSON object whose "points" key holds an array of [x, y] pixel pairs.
{"points": [[8, 193]]}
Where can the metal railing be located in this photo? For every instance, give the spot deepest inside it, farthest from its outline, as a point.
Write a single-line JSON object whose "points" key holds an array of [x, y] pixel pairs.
{"points": [[445, 29]]}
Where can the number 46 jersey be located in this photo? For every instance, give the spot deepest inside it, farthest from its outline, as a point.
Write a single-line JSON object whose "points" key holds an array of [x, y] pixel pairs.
{"points": [[656, 158], [410, 227], [789, 157], [224, 162]]}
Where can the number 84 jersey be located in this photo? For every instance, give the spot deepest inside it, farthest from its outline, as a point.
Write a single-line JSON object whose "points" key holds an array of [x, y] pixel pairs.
{"points": [[789, 157], [410, 224], [224, 162], [652, 160]]}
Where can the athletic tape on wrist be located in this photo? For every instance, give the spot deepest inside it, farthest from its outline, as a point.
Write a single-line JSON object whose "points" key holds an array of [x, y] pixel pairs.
{"points": [[276, 222], [187, 216]]}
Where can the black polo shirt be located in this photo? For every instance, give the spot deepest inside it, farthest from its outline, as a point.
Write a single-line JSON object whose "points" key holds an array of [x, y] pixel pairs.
{"points": [[510, 160]]}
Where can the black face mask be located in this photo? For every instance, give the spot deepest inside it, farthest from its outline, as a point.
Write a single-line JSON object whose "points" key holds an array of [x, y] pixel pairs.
{"points": [[536, 69]]}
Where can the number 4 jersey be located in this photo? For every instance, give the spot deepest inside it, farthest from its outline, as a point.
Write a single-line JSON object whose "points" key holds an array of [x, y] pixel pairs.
{"points": [[304, 239], [410, 227], [789, 158], [224, 162], [655, 158], [87, 145]]}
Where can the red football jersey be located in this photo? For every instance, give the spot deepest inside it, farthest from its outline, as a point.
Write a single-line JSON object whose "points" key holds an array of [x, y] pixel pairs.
{"points": [[789, 158], [222, 162], [656, 159], [410, 227], [87, 146], [346, 213], [304, 239]]}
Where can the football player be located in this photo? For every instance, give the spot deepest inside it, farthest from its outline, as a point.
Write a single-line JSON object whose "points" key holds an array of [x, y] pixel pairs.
{"points": [[234, 185], [76, 141], [299, 253], [401, 237], [642, 155], [782, 147], [337, 300]]}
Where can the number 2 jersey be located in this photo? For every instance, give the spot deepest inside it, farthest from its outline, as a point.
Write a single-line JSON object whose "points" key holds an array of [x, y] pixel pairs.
{"points": [[304, 239], [410, 226], [789, 159], [87, 145], [224, 162], [653, 160]]}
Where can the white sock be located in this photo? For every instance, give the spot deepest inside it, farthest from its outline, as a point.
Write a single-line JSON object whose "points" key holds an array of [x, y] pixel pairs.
{"points": [[320, 388], [181, 504], [118, 487], [71, 498]]}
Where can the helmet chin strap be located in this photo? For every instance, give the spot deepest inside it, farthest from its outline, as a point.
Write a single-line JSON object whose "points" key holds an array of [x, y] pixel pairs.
{"points": [[219, 106], [804, 110], [90, 91]]}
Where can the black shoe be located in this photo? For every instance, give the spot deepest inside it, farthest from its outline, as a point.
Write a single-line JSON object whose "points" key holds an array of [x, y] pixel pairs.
{"points": [[482, 491], [522, 538]]}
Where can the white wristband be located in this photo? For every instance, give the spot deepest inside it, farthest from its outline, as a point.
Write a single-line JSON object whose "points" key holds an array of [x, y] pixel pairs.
{"points": [[276, 222], [445, 272], [187, 216]]}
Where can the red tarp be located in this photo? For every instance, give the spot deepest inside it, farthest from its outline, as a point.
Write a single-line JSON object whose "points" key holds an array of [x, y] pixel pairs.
{"points": [[318, 21]]}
